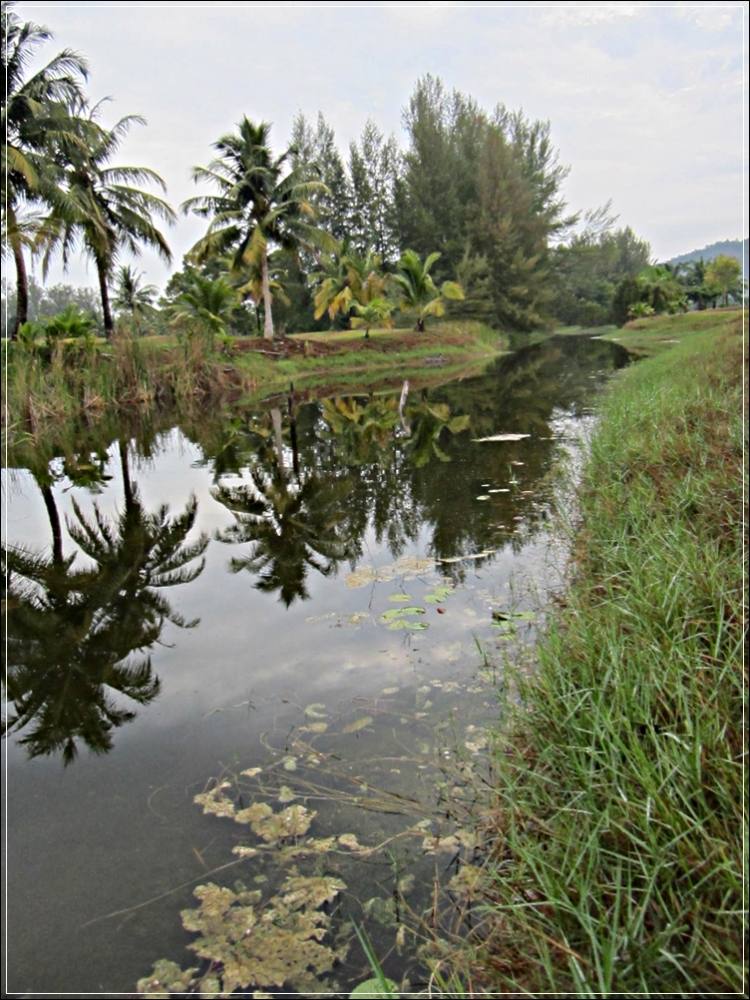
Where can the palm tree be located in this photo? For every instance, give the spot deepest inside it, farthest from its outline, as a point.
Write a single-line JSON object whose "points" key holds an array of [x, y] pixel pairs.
{"points": [[256, 205], [207, 301], [37, 126], [132, 295], [418, 291], [376, 311], [106, 208], [346, 278]]}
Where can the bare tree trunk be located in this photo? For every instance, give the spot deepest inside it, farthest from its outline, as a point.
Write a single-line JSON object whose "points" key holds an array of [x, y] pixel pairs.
{"points": [[267, 314], [22, 286], [109, 325]]}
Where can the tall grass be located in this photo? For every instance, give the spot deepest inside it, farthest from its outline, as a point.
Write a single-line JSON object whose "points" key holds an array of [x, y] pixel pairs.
{"points": [[618, 860]]}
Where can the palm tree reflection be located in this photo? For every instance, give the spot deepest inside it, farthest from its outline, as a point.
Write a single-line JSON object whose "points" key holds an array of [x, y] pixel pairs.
{"points": [[77, 637]]}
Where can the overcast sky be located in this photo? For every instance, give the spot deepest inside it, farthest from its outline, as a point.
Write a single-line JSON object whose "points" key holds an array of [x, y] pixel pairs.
{"points": [[647, 101]]}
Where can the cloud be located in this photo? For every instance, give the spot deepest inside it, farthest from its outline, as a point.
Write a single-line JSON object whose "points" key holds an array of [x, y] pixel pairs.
{"points": [[645, 100]]}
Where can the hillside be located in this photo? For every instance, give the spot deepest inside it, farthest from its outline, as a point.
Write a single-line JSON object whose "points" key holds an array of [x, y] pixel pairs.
{"points": [[732, 248]]}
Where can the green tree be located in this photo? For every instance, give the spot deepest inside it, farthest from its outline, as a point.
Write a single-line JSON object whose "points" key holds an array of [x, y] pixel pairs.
{"points": [[132, 296], [725, 272], [314, 152], [207, 302], [345, 278], [38, 126], [375, 312], [105, 207], [257, 205], [417, 290]]}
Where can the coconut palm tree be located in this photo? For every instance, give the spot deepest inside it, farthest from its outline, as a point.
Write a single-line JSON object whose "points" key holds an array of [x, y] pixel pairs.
{"points": [[38, 124], [377, 311], [346, 278], [105, 208], [132, 296], [417, 290], [256, 205], [207, 301]]}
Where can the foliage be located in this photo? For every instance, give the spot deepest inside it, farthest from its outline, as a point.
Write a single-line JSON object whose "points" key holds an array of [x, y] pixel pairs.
{"points": [[377, 312], [417, 290], [105, 207], [588, 269], [256, 206], [132, 296], [39, 130], [203, 301], [725, 272]]}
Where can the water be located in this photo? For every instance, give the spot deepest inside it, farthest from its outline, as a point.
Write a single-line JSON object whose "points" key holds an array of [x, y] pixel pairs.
{"points": [[265, 620]]}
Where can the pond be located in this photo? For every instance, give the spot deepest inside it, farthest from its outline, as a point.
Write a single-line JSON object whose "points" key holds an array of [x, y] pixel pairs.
{"points": [[300, 614]]}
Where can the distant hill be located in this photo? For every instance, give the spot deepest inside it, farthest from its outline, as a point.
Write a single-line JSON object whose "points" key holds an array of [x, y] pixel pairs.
{"points": [[731, 248]]}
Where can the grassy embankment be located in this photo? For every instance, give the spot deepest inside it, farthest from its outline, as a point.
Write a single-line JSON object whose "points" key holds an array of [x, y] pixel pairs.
{"points": [[67, 383], [619, 812]]}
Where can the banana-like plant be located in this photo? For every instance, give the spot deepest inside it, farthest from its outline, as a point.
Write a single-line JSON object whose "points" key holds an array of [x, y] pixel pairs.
{"points": [[417, 290]]}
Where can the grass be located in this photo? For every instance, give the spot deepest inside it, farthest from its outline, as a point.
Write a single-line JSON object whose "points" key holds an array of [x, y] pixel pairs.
{"points": [[617, 865], [642, 337], [68, 383]]}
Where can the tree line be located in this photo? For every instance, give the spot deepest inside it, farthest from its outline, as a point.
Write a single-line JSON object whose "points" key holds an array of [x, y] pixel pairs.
{"points": [[470, 212]]}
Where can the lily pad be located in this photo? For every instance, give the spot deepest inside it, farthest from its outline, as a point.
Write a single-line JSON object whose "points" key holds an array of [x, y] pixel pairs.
{"points": [[358, 724], [375, 989]]}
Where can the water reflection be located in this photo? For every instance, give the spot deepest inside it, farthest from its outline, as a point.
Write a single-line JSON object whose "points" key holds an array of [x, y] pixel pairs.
{"points": [[72, 632], [294, 523], [310, 488]]}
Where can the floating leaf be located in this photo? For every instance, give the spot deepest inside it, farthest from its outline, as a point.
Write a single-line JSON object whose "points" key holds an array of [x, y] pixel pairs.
{"points": [[375, 989], [252, 771], [166, 977], [316, 711], [215, 802], [399, 598], [281, 943], [394, 613], [315, 727], [244, 852], [358, 724], [502, 437], [406, 624]]}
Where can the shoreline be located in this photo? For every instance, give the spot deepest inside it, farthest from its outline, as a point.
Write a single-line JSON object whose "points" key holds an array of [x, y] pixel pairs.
{"points": [[616, 848]]}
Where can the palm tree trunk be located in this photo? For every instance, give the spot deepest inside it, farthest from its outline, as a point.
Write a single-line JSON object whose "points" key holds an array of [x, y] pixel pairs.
{"points": [[54, 523], [267, 314], [127, 484], [109, 325], [278, 437], [22, 284]]}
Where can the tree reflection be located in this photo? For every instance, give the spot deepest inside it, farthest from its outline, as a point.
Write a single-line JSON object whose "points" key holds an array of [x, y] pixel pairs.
{"points": [[72, 633], [294, 524]]}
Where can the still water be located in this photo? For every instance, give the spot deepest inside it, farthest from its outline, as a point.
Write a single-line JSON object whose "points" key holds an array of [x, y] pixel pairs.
{"points": [[319, 594]]}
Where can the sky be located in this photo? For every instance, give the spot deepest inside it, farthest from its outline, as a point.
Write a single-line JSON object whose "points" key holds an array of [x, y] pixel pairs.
{"points": [[647, 102]]}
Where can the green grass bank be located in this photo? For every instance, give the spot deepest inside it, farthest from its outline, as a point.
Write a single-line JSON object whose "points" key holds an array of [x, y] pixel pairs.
{"points": [[618, 817], [68, 383]]}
